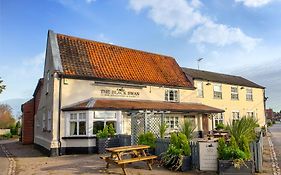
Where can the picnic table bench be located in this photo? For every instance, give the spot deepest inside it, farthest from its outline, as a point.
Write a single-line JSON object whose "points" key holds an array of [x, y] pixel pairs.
{"points": [[136, 153]]}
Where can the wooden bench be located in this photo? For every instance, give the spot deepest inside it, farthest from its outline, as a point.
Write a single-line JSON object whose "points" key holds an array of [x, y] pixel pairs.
{"points": [[137, 153]]}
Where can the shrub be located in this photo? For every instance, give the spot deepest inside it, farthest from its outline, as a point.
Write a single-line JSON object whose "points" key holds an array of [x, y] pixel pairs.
{"points": [[162, 129], [147, 139], [111, 130], [102, 134], [238, 149], [220, 126], [187, 128], [178, 148], [8, 135]]}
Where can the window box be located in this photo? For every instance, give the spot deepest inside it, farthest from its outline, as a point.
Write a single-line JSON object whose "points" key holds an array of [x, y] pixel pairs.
{"points": [[226, 167]]}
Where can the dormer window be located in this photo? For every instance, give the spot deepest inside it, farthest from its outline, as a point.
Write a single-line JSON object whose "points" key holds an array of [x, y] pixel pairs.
{"points": [[172, 95]]}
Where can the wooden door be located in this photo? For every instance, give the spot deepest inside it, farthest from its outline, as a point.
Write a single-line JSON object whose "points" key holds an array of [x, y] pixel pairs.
{"points": [[205, 123]]}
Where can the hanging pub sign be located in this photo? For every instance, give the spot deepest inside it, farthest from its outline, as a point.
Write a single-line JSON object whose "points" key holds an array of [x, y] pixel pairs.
{"points": [[119, 92]]}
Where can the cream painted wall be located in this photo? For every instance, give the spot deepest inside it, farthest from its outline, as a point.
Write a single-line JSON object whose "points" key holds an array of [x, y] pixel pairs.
{"points": [[241, 105]]}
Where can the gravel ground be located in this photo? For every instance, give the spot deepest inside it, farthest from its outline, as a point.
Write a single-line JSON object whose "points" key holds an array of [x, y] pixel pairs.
{"points": [[30, 161]]}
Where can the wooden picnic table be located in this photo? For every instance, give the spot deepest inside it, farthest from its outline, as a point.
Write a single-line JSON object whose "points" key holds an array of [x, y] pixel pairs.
{"points": [[136, 153]]}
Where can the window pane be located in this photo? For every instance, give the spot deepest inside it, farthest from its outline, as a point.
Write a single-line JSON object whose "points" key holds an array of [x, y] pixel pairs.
{"points": [[172, 98], [97, 125], [73, 128], [166, 95], [111, 122], [82, 116], [82, 128]]}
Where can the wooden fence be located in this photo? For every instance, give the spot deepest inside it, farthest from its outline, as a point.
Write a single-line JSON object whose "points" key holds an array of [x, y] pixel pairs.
{"points": [[257, 151]]}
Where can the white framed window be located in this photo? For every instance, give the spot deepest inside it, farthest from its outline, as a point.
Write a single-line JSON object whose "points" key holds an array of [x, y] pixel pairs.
{"points": [[234, 93], [172, 122], [44, 122], [103, 118], [77, 124], [172, 95], [48, 82], [249, 94], [200, 91], [235, 115], [218, 118], [250, 114], [49, 120], [217, 91]]}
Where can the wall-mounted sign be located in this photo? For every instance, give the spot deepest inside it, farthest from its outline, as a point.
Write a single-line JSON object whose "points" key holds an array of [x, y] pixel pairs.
{"points": [[120, 92]]}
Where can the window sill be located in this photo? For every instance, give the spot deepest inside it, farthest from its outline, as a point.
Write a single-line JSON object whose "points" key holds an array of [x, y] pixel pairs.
{"points": [[79, 137], [235, 99]]}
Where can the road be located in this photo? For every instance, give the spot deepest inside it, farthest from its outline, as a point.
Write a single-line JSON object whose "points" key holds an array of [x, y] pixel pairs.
{"points": [[276, 140]]}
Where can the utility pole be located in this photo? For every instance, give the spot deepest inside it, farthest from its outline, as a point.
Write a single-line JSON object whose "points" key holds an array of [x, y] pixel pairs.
{"points": [[198, 61]]}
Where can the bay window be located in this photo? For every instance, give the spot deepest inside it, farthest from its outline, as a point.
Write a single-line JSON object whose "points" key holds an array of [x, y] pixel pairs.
{"points": [[77, 124], [103, 118]]}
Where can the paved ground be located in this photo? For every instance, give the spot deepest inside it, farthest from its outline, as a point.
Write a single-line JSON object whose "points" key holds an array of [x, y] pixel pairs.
{"points": [[4, 163], [30, 161], [275, 131]]}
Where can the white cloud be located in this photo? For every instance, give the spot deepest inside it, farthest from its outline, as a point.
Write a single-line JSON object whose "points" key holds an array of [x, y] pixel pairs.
{"points": [[90, 1], [254, 3], [222, 35], [178, 16], [181, 17]]}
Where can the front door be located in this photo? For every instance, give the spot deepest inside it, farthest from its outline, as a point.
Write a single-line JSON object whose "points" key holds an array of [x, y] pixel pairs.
{"points": [[205, 123]]}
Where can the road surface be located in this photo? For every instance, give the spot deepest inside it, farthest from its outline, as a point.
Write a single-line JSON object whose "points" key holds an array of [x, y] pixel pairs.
{"points": [[276, 140]]}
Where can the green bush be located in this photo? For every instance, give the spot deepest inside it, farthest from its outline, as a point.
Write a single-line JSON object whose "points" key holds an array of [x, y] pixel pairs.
{"points": [[162, 129], [187, 128], [111, 130], [178, 148], [8, 135], [102, 134], [238, 149], [147, 139], [220, 126]]}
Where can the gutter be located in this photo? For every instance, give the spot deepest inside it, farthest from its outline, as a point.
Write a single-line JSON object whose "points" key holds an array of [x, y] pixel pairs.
{"points": [[59, 113]]}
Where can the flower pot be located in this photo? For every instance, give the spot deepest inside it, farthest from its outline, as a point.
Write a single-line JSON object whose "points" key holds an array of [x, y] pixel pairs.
{"points": [[186, 164], [103, 143], [226, 167]]}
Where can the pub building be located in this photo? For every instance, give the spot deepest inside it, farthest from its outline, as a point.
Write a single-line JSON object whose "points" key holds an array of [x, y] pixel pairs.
{"points": [[88, 84]]}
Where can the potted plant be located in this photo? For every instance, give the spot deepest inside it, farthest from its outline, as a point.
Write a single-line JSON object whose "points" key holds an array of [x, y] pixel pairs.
{"points": [[162, 143], [220, 127], [178, 155], [187, 129], [234, 156], [106, 139], [148, 139]]}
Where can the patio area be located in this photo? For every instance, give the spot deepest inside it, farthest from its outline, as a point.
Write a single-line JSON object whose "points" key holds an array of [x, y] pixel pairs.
{"points": [[31, 161]]}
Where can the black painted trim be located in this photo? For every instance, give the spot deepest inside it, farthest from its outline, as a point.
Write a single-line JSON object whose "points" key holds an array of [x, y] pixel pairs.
{"points": [[80, 137], [79, 150]]}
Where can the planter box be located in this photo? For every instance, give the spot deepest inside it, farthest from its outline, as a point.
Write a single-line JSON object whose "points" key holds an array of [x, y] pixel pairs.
{"points": [[226, 167], [161, 145], [186, 164], [102, 144]]}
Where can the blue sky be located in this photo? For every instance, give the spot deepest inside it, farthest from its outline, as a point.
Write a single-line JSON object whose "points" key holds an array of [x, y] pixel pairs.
{"points": [[240, 37]]}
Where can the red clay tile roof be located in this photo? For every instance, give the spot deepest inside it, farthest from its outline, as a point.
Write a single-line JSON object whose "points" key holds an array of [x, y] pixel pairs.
{"points": [[127, 105], [81, 57]]}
